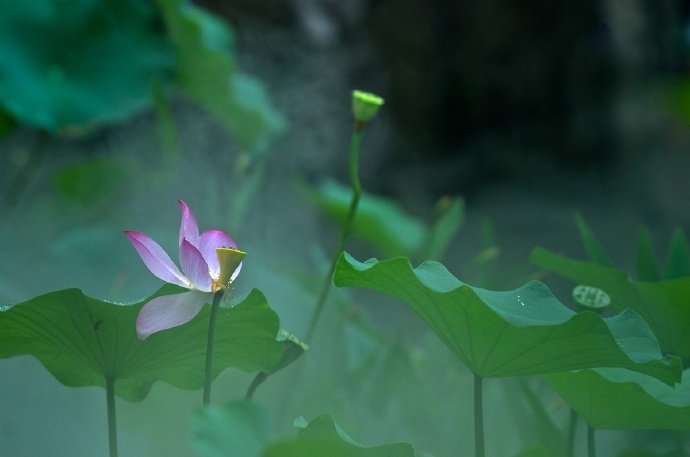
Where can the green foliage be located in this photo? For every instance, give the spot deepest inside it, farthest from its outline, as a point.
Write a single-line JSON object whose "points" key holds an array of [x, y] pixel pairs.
{"points": [[93, 180], [81, 341], [7, 124], [594, 249], [207, 72], [238, 429], [540, 425], [72, 67], [678, 258], [663, 304], [293, 349], [537, 451], [322, 437], [450, 214], [647, 269], [241, 429], [165, 124], [384, 225], [520, 332], [614, 398]]}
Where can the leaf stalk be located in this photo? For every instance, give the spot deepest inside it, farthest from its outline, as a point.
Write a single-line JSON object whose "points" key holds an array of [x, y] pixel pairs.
{"points": [[355, 145], [591, 444], [112, 420], [478, 416]]}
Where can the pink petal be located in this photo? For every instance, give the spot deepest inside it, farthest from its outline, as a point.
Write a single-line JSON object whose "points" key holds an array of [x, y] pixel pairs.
{"points": [[169, 311], [208, 242], [195, 267], [156, 259], [189, 229]]}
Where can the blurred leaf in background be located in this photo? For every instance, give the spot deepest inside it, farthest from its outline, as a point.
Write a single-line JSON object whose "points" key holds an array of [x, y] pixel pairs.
{"points": [[206, 71], [68, 65], [93, 180], [241, 429], [238, 428], [383, 224], [322, 436]]}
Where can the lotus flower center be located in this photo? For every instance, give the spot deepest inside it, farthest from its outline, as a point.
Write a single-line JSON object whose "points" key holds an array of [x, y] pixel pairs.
{"points": [[216, 285]]}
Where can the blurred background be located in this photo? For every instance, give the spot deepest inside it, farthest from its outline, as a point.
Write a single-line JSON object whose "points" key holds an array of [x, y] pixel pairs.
{"points": [[529, 111]]}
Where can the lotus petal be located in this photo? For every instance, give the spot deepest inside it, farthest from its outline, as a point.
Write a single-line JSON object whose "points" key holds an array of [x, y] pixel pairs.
{"points": [[208, 242], [169, 311], [195, 267], [155, 258], [189, 229]]}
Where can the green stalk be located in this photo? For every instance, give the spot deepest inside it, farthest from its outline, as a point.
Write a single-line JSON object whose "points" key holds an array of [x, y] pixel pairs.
{"points": [[591, 446], [27, 170], [256, 382], [478, 416], [355, 145], [209, 347], [572, 428], [112, 422]]}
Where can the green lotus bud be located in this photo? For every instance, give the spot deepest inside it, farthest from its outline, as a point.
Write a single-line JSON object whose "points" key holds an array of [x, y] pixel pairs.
{"points": [[365, 105]]}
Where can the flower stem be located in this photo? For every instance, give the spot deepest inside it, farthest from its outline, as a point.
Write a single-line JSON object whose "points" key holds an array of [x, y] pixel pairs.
{"points": [[27, 171], [478, 416], [591, 445], [112, 422], [572, 428], [209, 347], [355, 145]]}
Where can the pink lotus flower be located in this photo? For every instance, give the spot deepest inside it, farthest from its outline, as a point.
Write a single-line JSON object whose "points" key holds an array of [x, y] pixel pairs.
{"points": [[210, 262]]}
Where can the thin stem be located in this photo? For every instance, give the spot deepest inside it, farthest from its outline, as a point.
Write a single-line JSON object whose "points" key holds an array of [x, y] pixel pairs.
{"points": [[591, 445], [112, 422], [256, 382], [572, 428], [208, 371], [27, 170], [478, 416], [355, 145]]}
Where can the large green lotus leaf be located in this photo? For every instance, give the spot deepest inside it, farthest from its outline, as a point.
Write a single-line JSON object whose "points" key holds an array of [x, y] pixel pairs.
{"points": [[206, 71], [323, 437], [75, 64], [520, 332], [81, 340], [665, 305], [615, 398]]}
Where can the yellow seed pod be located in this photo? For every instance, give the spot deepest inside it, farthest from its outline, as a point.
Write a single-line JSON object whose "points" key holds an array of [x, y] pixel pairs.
{"points": [[228, 259]]}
